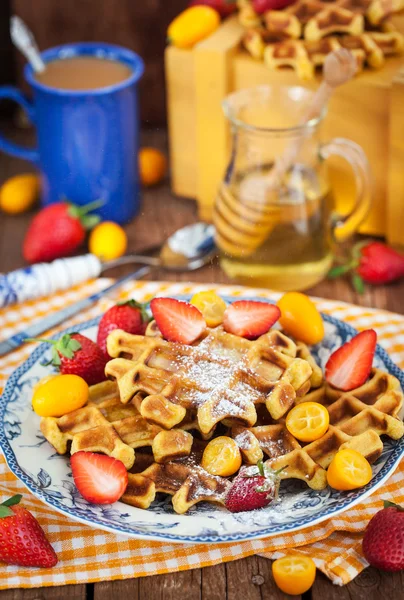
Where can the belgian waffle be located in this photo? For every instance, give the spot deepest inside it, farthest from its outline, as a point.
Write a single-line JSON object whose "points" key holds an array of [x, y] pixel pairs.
{"points": [[104, 425], [222, 377], [357, 420], [290, 53], [361, 26], [183, 478]]}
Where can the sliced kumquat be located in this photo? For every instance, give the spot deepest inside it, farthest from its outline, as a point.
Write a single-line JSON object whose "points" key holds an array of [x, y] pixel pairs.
{"points": [[221, 457], [211, 306], [294, 574], [308, 421], [348, 470]]}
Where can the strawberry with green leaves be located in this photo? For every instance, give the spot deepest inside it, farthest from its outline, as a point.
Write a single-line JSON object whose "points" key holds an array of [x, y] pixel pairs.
{"points": [[58, 230], [76, 354], [370, 262], [22, 539], [383, 541], [254, 487]]}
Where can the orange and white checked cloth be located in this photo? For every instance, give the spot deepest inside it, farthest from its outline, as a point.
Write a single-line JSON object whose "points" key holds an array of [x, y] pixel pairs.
{"points": [[90, 555]]}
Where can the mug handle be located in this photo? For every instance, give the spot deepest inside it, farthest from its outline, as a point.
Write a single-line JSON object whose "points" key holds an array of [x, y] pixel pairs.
{"points": [[345, 226], [31, 154]]}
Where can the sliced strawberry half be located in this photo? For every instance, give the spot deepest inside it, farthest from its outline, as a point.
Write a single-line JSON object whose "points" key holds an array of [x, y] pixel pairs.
{"points": [[99, 478], [250, 319], [178, 321], [350, 366]]}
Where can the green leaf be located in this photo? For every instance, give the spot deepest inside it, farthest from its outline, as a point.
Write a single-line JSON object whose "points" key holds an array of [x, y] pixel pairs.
{"points": [[75, 345], [81, 213], [338, 270], [66, 346], [13, 500], [388, 504], [358, 283], [5, 512], [90, 221], [56, 362], [65, 340]]}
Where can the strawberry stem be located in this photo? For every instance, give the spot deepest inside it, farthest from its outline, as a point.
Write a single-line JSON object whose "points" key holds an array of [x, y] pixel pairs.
{"points": [[65, 346], [81, 213]]}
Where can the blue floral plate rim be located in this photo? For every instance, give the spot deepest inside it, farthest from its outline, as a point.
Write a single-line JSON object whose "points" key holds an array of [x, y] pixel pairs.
{"points": [[347, 500]]}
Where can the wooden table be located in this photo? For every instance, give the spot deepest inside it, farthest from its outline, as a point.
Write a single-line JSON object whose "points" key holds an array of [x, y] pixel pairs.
{"points": [[249, 578]]}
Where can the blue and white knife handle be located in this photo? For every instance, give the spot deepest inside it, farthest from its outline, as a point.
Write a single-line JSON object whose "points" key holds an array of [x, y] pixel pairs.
{"points": [[43, 279]]}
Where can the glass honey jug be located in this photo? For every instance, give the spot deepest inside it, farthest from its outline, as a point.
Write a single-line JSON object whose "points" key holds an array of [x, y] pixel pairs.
{"points": [[279, 232]]}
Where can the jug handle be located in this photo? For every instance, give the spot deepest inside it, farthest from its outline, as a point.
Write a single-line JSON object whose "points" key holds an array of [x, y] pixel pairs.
{"points": [[345, 226], [12, 93]]}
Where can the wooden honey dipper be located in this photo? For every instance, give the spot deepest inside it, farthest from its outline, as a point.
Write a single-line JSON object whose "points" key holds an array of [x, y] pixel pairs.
{"points": [[242, 226]]}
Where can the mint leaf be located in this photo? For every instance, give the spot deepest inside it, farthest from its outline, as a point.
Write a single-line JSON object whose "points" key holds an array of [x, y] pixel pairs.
{"points": [[5, 512]]}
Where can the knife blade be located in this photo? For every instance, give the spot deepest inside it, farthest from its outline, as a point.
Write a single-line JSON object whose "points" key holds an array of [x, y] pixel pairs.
{"points": [[15, 341]]}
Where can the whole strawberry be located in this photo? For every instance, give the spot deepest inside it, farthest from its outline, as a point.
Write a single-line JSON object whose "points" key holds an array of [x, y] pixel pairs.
{"points": [[371, 262], [379, 264], [129, 316], [57, 231], [254, 487], [22, 539], [76, 354], [383, 542]]}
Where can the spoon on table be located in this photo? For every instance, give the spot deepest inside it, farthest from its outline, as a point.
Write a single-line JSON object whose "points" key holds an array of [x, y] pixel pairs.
{"points": [[187, 249], [23, 39]]}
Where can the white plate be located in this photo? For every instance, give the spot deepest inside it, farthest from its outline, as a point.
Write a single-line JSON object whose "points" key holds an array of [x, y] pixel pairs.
{"points": [[48, 475]]}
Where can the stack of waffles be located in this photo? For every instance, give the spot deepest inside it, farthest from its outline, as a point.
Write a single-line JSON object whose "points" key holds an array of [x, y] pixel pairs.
{"points": [[302, 35], [164, 401]]}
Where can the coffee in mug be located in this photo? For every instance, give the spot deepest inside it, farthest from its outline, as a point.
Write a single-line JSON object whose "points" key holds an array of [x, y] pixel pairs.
{"points": [[83, 73]]}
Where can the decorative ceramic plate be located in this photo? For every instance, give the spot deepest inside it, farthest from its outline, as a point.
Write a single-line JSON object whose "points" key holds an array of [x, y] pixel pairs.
{"points": [[48, 476]]}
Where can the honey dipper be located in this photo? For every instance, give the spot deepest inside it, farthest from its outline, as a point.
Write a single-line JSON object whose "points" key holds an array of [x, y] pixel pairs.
{"points": [[242, 226], [339, 67]]}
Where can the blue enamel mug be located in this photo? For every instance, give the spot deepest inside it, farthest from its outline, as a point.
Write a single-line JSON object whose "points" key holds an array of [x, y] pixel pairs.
{"points": [[88, 141]]}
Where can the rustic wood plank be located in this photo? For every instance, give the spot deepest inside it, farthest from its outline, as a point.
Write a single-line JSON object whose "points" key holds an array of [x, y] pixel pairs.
{"points": [[185, 585], [214, 583], [66, 592], [369, 585], [110, 590], [251, 578]]}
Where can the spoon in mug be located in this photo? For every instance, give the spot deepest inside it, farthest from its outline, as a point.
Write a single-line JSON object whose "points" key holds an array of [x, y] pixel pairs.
{"points": [[187, 249], [24, 40]]}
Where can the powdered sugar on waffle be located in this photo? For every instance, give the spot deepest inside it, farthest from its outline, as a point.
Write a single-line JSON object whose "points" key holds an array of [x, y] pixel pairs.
{"points": [[214, 372]]}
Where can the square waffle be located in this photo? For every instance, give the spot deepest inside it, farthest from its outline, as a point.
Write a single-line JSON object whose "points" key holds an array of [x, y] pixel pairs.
{"points": [[361, 26], [104, 425], [221, 377], [357, 420], [183, 478]]}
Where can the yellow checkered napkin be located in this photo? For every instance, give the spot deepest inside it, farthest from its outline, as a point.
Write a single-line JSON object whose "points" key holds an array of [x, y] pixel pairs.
{"points": [[90, 555]]}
